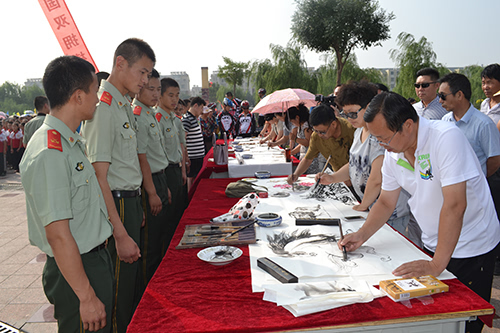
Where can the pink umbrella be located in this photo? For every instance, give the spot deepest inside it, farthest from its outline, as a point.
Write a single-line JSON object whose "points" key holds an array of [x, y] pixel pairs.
{"points": [[281, 100]]}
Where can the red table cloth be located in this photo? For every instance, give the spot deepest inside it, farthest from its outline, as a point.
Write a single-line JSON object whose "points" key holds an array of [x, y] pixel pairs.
{"points": [[189, 295]]}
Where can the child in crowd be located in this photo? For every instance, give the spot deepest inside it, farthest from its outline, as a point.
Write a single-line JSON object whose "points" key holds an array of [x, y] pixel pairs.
{"points": [[16, 137], [3, 149]]}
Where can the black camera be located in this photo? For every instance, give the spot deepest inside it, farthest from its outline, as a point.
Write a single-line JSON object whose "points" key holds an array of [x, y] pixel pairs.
{"points": [[329, 100]]}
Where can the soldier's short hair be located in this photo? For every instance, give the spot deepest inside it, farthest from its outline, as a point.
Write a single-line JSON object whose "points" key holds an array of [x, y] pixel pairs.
{"points": [[65, 75], [133, 49], [155, 74], [167, 83]]}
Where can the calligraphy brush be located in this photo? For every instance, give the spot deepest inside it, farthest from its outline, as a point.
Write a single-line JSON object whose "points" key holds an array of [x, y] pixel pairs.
{"points": [[240, 229], [324, 168], [344, 251]]}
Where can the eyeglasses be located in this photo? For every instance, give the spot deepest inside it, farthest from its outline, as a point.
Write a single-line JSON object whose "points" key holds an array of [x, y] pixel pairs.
{"points": [[424, 85], [388, 142], [443, 96], [353, 115], [323, 132]]}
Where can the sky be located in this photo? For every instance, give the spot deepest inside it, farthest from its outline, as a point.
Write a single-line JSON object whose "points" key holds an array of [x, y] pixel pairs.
{"points": [[189, 34]]}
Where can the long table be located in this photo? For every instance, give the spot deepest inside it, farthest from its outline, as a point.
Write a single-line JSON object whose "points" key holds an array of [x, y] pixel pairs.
{"points": [[210, 170], [189, 295]]}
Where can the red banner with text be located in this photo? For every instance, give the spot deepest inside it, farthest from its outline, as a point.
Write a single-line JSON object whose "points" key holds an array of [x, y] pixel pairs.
{"points": [[65, 29]]}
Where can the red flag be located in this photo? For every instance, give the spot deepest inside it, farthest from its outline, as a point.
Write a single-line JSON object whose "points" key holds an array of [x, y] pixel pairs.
{"points": [[65, 29]]}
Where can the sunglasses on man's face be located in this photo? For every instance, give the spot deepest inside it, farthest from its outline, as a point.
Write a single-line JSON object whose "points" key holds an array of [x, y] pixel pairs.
{"points": [[424, 85], [443, 96]]}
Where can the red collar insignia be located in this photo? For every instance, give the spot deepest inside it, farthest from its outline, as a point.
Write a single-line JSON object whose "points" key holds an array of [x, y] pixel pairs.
{"points": [[106, 98], [54, 140], [137, 110]]}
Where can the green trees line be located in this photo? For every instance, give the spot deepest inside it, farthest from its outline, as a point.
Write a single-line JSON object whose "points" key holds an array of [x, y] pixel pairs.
{"points": [[334, 29], [16, 99]]}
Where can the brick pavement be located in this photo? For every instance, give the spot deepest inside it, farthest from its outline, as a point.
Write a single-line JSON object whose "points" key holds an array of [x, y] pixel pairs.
{"points": [[22, 301]]}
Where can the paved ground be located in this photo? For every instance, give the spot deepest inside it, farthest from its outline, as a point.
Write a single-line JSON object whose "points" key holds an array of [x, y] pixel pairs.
{"points": [[22, 301]]}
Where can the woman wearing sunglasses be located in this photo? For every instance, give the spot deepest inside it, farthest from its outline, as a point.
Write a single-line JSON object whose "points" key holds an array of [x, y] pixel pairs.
{"points": [[365, 156]]}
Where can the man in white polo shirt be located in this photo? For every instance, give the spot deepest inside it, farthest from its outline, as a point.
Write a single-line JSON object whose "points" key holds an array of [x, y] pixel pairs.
{"points": [[451, 202]]}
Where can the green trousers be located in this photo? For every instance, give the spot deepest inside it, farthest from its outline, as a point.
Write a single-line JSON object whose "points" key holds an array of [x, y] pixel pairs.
{"points": [[99, 270], [153, 233], [130, 211], [179, 198]]}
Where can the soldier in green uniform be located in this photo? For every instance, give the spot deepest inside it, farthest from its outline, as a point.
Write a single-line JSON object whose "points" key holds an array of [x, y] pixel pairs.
{"points": [[41, 104], [67, 216], [153, 161], [175, 140], [112, 149]]}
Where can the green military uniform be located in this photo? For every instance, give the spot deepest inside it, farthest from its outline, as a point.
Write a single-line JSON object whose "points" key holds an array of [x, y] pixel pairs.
{"points": [[31, 127], [150, 142], [337, 148], [60, 184], [174, 135], [111, 137]]}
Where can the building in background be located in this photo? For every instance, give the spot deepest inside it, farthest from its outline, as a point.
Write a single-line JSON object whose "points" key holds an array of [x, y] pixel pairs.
{"points": [[182, 79], [389, 75], [196, 91], [34, 82]]}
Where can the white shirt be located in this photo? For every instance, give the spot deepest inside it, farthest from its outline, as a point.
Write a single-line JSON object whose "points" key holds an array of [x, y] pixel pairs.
{"points": [[245, 123], [493, 113], [444, 157]]}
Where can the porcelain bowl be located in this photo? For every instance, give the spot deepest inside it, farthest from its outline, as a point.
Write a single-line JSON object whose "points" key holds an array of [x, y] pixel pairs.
{"points": [[263, 174], [269, 220]]}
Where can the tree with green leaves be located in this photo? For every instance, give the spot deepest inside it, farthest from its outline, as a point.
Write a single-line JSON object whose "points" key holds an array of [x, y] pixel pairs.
{"points": [[473, 73], [325, 74], [16, 99], [411, 56], [340, 26], [212, 92], [233, 72], [288, 69]]}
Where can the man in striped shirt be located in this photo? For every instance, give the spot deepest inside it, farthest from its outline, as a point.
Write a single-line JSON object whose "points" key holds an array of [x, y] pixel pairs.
{"points": [[194, 138], [426, 87]]}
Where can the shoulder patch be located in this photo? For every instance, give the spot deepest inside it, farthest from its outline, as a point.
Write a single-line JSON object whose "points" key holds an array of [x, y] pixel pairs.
{"points": [[54, 140], [137, 110], [158, 117], [106, 98]]}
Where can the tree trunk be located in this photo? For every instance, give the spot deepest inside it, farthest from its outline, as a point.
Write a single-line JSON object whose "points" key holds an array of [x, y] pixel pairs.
{"points": [[340, 67]]}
